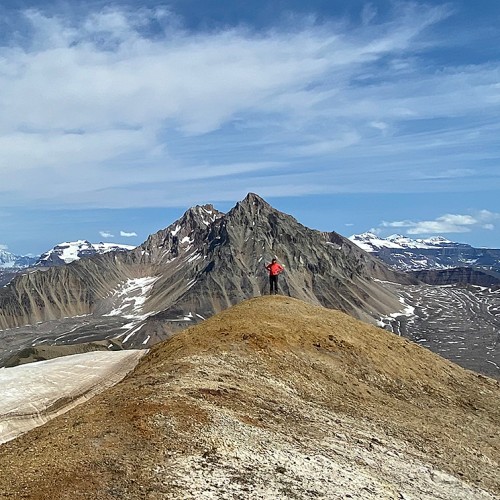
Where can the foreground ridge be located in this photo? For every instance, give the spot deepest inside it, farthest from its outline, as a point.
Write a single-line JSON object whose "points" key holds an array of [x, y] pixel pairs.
{"points": [[273, 398]]}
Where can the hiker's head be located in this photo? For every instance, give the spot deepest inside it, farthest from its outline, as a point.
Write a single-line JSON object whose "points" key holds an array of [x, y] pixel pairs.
{"points": [[273, 261]]}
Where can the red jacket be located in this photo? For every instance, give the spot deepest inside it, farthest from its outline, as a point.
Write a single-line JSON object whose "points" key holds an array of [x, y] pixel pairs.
{"points": [[274, 269]]}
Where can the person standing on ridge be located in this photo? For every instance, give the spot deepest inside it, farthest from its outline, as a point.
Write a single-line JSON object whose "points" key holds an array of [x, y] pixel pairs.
{"points": [[274, 271]]}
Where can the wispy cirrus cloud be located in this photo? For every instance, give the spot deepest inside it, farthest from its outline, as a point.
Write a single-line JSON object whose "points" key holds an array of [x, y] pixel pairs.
{"points": [[122, 115], [451, 173], [128, 234], [448, 223]]}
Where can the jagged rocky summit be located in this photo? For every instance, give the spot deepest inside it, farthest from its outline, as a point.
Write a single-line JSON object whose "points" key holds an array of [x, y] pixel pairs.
{"points": [[199, 265]]}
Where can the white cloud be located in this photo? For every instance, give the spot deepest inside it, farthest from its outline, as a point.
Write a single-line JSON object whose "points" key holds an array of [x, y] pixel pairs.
{"points": [[375, 230], [451, 173], [126, 234], [448, 223], [106, 234], [103, 109], [326, 147], [382, 126]]}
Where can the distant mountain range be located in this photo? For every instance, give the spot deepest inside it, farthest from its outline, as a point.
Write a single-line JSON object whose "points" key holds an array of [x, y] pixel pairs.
{"points": [[199, 265], [406, 254], [62, 253], [9, 260], [65, 253], [400, 252], [207, 261]]}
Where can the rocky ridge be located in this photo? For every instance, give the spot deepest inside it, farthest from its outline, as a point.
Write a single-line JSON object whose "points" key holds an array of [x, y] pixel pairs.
{"points": [[459, 275], [273, 398]]}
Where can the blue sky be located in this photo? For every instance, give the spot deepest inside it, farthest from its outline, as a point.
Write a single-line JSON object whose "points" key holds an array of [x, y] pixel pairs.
{"points": [[350, 116]]}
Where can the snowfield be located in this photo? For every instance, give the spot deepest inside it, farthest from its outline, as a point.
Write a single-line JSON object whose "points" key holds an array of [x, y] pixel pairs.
{"points": [[33, 394]]}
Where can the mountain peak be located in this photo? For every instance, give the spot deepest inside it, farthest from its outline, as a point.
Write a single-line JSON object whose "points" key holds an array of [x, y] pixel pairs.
{"points": [[252, 206], [9, 260], [438, 240], [252, 199], [364, 236], [201, 214]]}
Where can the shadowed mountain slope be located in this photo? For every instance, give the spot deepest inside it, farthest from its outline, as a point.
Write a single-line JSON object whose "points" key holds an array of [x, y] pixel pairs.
{"points": [[273, 398]]}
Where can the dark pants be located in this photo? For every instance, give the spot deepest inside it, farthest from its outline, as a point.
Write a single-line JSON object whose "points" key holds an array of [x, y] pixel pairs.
{"points": [[273, 283]]}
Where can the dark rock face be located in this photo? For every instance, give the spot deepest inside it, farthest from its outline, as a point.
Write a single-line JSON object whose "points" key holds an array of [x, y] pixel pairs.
{"points": [[6, 275], [226, 264]]}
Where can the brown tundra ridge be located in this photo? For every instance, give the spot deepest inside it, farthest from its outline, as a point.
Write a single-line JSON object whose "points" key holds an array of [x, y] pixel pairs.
{"points": [[272, 398]]}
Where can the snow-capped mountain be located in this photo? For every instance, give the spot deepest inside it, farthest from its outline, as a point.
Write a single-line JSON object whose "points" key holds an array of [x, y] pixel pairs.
{"points": [[409, 254], [207, 261], [372, 243], [67, 252], [9, 260]]}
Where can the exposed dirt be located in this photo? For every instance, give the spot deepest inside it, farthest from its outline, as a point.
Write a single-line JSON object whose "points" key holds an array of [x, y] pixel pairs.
{"points": [[273, 398]]}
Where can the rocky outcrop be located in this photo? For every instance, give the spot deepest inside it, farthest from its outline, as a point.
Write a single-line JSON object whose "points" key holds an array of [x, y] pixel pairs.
{"points": [[223, 263]]}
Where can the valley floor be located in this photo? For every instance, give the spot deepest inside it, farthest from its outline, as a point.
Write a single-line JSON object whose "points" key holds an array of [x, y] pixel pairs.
{"points": [[461, 324]]}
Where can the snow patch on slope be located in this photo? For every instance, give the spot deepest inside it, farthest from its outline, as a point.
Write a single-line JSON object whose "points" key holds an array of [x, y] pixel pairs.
{"points": [[129, 298]]}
